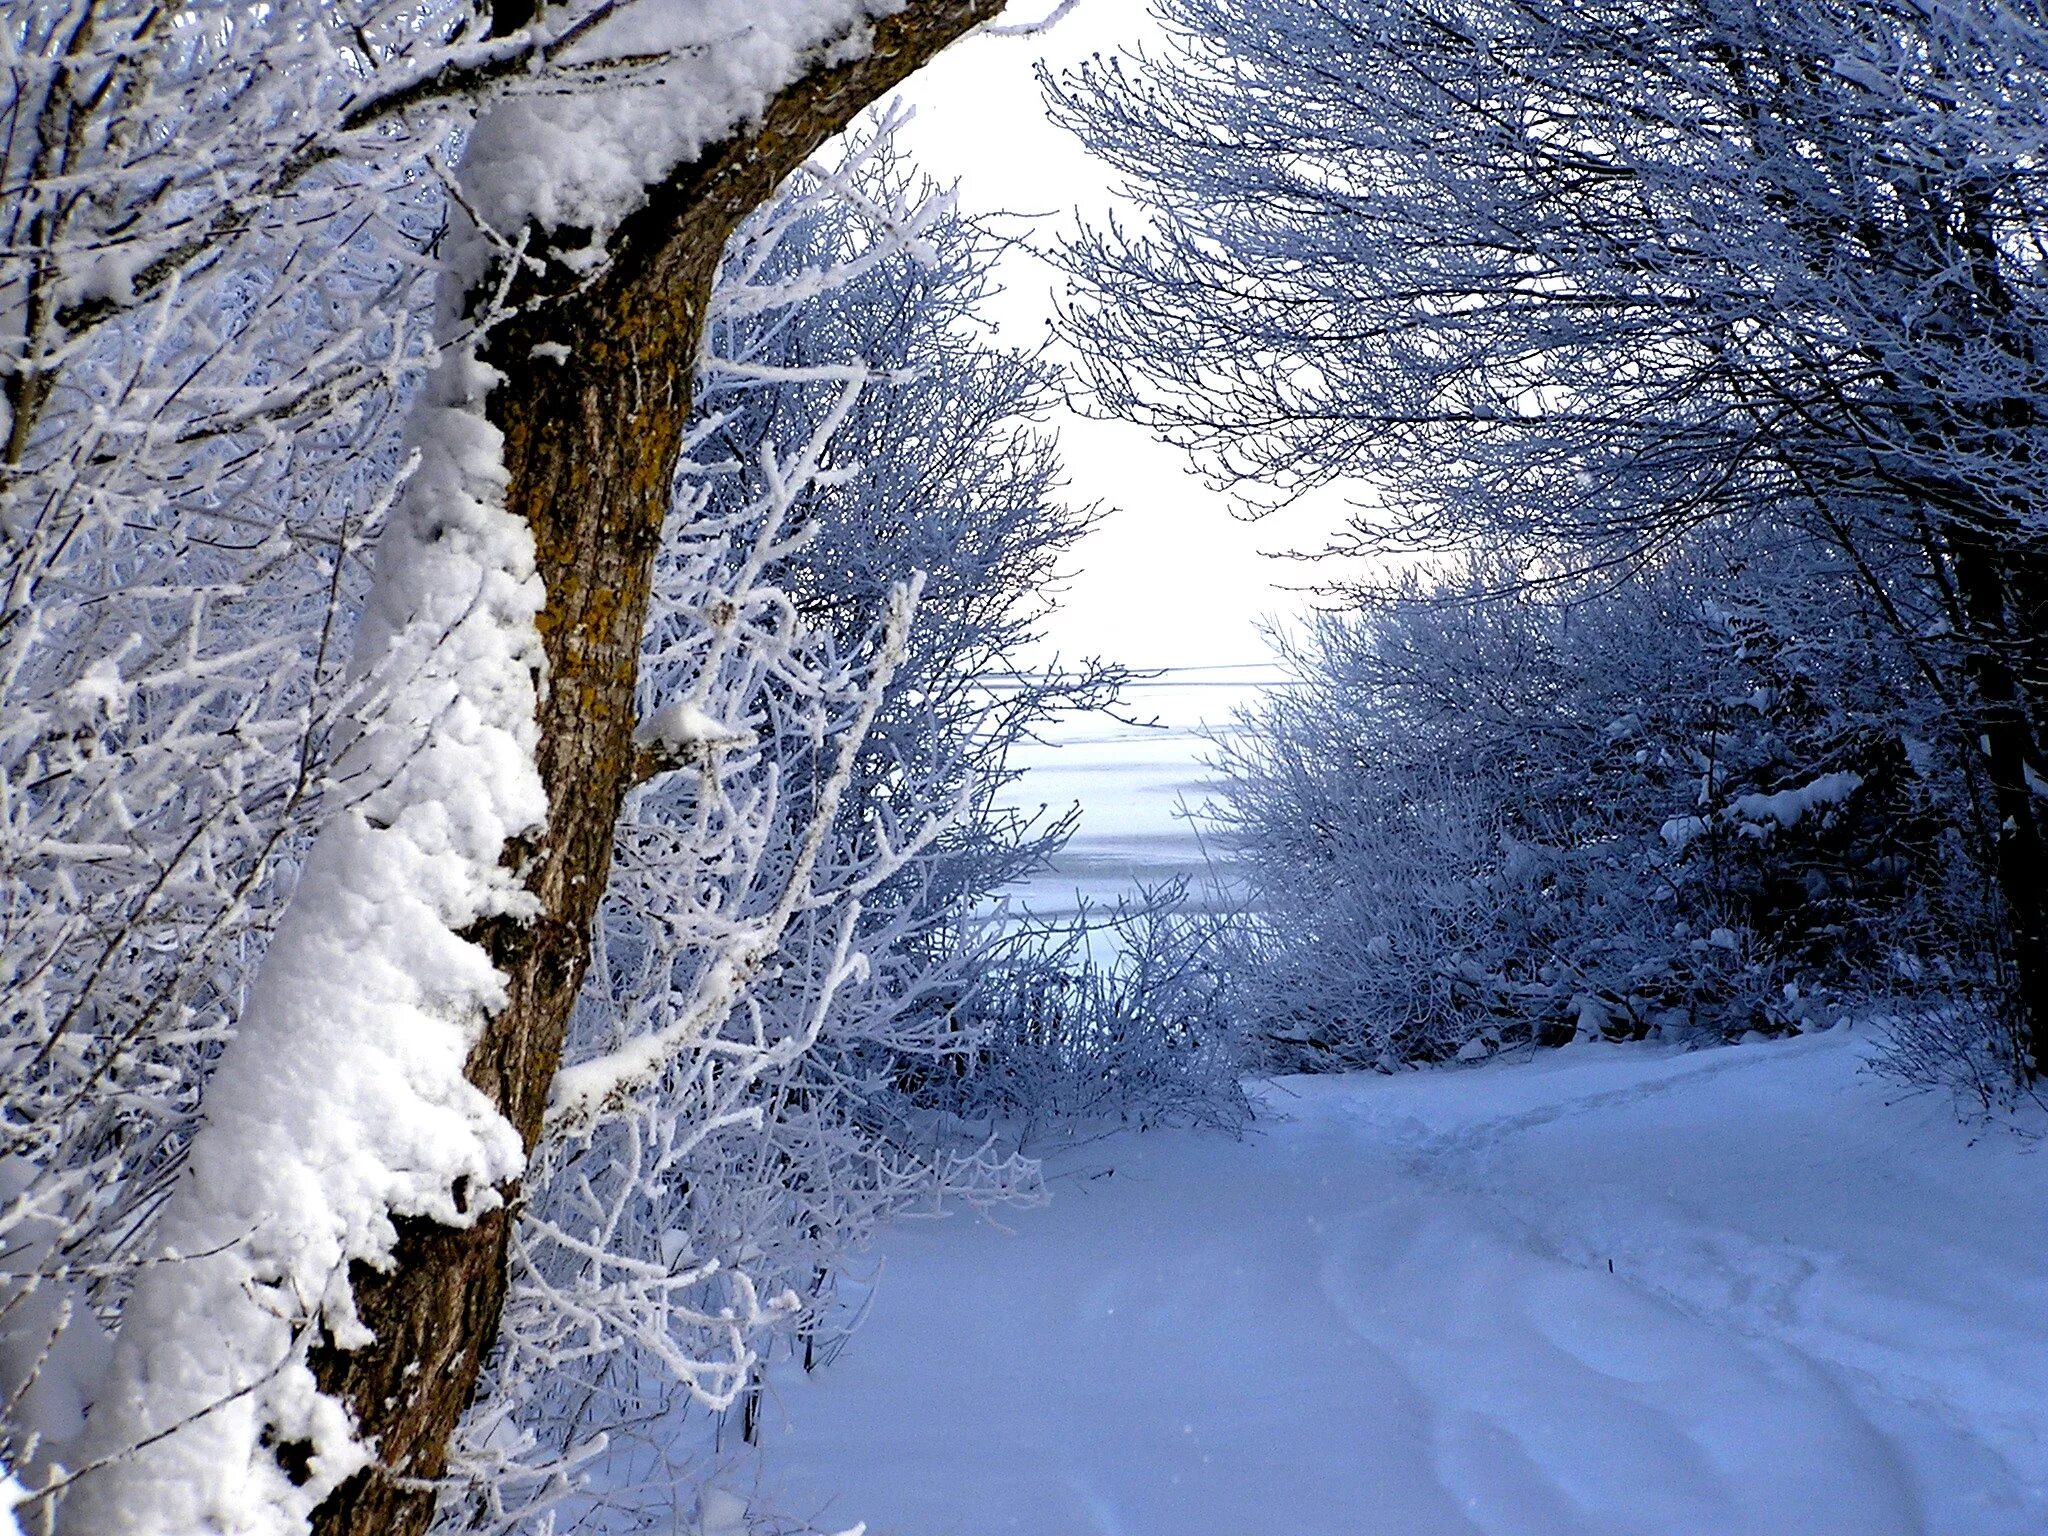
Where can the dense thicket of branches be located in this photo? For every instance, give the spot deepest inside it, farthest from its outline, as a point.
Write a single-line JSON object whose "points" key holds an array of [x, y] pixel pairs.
{"points": [[860, 531], [1566, 281], [1698, 802]]}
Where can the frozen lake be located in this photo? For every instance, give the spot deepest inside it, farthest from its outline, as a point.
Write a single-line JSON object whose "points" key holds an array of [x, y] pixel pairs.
{"points": [[1135, 785]]}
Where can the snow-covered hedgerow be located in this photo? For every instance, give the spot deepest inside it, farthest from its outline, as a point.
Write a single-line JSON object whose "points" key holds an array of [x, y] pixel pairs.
{"points": [[1686, 803]]}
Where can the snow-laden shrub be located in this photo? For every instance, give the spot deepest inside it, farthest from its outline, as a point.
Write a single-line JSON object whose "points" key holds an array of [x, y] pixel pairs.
{"points": [[1119, 1020], [1490, 813]]}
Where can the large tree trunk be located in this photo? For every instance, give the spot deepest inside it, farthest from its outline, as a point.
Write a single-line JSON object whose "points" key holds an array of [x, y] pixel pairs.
{"points": [[591, 446], [1999, 578], [2008, 746]]}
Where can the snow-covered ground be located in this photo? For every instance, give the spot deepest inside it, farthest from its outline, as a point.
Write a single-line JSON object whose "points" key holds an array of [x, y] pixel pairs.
{"points": [[1614, 1290]]}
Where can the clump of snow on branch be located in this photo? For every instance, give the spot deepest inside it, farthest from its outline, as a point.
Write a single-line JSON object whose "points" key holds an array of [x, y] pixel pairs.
{"points": [[677, 76], [344, 1082]]}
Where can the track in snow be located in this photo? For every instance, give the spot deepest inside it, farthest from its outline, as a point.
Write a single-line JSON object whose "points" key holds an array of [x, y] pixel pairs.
{"points": [[1391, 1310]]}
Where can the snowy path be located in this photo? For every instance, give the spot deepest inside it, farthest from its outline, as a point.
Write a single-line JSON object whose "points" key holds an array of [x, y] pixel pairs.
{"points": [[1392, 1312]]}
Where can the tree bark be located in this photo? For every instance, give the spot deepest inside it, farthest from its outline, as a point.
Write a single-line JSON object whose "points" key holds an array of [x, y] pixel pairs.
{"points": [[591, 445], [2007, 744]]}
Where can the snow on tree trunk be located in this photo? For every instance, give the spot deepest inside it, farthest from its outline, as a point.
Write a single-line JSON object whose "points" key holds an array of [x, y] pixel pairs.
{"points": [[342, 1104], [340, 1234]]}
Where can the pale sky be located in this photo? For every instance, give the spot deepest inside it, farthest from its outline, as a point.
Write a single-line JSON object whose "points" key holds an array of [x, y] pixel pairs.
{"points": [[1171, 578]]}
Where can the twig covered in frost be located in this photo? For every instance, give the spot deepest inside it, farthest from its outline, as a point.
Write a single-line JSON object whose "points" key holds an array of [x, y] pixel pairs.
{"points": [[584, 1091]]}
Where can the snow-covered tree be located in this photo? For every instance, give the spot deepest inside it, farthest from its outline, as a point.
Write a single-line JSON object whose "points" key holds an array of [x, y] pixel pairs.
{"points": [[221, 223], [1564, 280]]}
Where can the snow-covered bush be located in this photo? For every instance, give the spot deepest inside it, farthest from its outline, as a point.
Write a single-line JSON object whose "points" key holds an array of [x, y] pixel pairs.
{"points": [[1690, 802], [1119, 1019]]}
